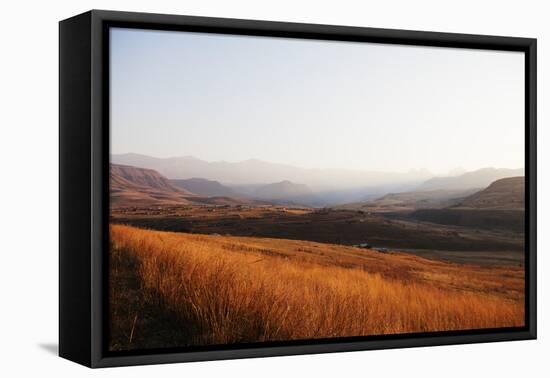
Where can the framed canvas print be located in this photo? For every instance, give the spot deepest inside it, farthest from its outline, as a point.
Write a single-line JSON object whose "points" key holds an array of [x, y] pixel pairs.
{"points": [[234, 188]]}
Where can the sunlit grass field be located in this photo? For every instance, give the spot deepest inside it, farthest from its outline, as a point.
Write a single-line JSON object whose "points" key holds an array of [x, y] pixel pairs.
{"points": [[176, 289]]}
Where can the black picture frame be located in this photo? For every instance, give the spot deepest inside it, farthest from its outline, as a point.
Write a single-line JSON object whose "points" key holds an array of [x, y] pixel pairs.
{"points": [[84, 189]]}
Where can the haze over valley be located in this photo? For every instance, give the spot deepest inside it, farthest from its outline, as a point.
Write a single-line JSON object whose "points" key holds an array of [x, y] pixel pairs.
{"points": [[451, 217], [256, 179]]}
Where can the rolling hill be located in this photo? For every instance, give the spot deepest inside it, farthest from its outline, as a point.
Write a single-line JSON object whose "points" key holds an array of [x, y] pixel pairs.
{"points": [[292, 289], [504, 194], [499, 206], [132, 186], [124, 175], [476, 179]]}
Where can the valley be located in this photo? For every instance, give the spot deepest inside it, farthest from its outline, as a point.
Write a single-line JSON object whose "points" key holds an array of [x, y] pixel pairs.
{"points": [[480, 226]]}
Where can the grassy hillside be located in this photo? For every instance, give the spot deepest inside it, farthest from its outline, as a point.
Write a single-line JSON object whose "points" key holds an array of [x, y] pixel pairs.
{"points": [[130, 186], [503, 194], [176, 289]]}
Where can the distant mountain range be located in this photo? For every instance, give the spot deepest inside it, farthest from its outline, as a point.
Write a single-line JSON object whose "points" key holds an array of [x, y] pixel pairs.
{"points": [[141, 187], [278, 183], [134, 186], [255, 171]]}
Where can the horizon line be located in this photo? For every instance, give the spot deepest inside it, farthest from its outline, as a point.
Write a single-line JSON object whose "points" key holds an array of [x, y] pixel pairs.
{"points": [[410, 171]]}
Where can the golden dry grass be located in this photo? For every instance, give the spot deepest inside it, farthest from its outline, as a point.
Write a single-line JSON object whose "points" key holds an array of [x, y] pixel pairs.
{"points": [[218, 290]]}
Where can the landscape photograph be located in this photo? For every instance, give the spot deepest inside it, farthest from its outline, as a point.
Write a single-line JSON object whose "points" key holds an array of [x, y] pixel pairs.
{"points": [[273, 189]]}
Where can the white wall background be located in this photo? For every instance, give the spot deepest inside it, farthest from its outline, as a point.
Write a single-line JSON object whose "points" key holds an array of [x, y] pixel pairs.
{"points": [[29, 186]]}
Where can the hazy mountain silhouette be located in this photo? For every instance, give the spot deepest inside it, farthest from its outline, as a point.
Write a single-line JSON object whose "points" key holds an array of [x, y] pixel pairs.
{"points": [[204, 187], [284, 190], [255, 171]]}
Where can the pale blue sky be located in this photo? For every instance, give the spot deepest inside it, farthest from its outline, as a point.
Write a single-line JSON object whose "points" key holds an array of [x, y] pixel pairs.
{"points": [[315, 104]]}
